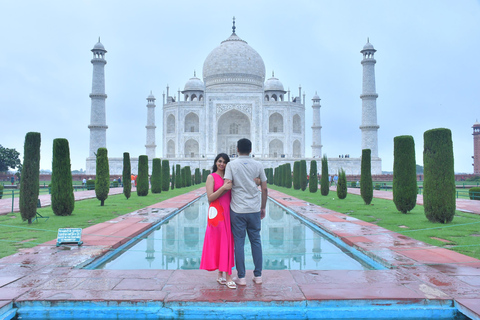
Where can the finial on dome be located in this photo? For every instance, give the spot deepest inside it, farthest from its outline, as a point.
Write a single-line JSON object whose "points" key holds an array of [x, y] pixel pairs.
{"points": [[194, 73], [233, 27], [368, 39], [273, 74], [98, 39]]}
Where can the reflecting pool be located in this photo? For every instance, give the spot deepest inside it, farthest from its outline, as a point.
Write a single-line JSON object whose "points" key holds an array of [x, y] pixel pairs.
{"points": [[288, 244]]}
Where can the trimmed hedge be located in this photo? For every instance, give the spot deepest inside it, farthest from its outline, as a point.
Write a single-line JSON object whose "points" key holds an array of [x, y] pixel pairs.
{"points": [[473, 193], [313, 181], [156, 179], [29, 185], [439, 176], [165, 175], [102, 180], [63, 200], [126, 175], [142, 178], [198, 177], [90, 184], [342, 184], [404, 173], [172, 184], [178, 178], [288, 175], [366, 183], [188, 176], [324, 184], [303, 175], [296, 175]]}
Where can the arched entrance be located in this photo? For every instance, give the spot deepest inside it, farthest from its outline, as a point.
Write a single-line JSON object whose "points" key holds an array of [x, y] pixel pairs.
{"points": [[232, 126]]}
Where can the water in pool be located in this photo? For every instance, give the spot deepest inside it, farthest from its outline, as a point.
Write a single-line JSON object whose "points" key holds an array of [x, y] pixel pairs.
{"points": [[287, 244]]}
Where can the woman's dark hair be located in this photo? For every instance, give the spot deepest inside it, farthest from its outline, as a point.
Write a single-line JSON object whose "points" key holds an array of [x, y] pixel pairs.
{"points": [[220, 155]]}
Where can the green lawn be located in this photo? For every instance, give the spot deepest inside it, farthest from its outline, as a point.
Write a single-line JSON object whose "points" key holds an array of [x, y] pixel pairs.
{"points": [[462, 234], [16, 234]]}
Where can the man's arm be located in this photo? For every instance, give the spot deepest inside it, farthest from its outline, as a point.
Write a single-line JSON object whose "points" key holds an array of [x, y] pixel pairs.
{"points": [[264, 199]]}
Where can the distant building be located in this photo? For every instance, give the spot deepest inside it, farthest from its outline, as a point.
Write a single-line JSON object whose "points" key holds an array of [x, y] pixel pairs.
{"points": [[476, 148]]}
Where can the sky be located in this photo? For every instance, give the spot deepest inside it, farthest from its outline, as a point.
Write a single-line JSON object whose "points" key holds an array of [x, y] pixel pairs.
{"points": [[427, 70]]}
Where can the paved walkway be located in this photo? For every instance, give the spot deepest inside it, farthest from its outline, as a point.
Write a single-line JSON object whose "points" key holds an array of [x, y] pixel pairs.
{"points": [[45, 281], [45, 199]]}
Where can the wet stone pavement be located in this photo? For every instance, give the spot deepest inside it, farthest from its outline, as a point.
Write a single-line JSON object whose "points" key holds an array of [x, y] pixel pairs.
{"points": [[47, 279]]}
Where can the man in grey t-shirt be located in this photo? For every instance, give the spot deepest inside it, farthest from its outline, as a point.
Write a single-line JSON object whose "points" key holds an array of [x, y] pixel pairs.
{"points": [[247, 208]]}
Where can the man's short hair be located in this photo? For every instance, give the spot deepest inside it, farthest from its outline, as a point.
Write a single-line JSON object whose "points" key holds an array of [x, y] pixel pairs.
{"points": [[244, 146]]}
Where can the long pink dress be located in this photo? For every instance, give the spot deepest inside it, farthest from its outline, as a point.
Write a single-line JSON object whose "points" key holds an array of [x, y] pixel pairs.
{"points": [[218, 244]]}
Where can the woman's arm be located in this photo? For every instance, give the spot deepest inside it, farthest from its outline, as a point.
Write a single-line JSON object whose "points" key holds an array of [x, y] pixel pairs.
{"points": [[211, 195]]}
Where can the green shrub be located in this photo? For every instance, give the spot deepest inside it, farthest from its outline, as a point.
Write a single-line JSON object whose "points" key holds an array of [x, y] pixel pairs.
{"points": [[281, 170], [1, 191], [378, 186], [439, 176], [353, 184], [29, 185], [102, 181], [366, 184], [127, 175], [404, 173], [114, 184], [173, 178], [324, 184], [342, 185], [288, 175], [165, 175], [188, 176], [276, 176], [90, 184], [178, 178], [142, 179], [313, 181], [473, 193], [296, 175], [198, 177], [156, 178], [303, 175], [63, 200]]}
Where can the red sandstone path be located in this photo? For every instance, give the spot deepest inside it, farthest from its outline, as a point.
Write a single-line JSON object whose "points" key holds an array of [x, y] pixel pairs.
{"points": [[465, 205]]}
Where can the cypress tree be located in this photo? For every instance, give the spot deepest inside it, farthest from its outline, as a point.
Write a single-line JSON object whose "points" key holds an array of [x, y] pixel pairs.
{"points": [[102, 181], [142, 179], [303, 175], [366, 184], [198, 178], [281, 173], [63, 200], [165, 175], [272, 178], [173, 177], [127, 175], [296, 175], [156, 179], [313, 182], [342, 184], [182, 177], [275, 176], [29, 185], [324, 184], [439, 176], [404, 173], [188, 176], [178, 178], [288, 175]]}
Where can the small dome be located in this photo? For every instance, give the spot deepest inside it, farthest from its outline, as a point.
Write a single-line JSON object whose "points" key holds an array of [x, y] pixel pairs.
{"points": [[99, 46], [316, 97], [273, 84], [151, 96], [476, 124], [194, 84], [368, 46]]}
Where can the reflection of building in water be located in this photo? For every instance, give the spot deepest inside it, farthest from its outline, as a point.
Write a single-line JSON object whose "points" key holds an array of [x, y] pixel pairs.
{"points": [[183, 241], [283, 239], [317, 248], [150, 248]]}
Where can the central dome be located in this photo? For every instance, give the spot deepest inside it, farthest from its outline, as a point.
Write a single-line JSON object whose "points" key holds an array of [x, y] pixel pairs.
{"points": [[234, 62]]}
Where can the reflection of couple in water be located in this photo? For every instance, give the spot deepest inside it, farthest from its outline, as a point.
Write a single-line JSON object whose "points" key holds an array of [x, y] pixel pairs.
{"points": [[236, 209]]}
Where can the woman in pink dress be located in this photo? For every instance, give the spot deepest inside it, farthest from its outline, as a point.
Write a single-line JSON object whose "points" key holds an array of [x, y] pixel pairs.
{"points": [[218, 244]]}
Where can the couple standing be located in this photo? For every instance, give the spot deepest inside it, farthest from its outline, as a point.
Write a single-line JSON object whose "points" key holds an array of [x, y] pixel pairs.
{"points": [[238, 212]]}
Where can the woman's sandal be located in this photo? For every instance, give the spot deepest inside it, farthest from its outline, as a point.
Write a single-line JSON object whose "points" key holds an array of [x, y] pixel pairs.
{"points": [[222, 280], [231, 285]]}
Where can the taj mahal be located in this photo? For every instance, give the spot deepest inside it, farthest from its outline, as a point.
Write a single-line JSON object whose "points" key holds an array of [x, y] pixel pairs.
{"points": [[234, 100]]}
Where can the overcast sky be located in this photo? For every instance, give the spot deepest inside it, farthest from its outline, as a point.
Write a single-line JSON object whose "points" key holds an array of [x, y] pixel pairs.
{"points": [[427, 71]]}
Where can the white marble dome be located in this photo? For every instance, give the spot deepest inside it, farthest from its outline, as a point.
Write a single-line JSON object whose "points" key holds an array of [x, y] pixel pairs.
{"points": [[99, 46], [233, 62], [194, 84], [273, 84]]}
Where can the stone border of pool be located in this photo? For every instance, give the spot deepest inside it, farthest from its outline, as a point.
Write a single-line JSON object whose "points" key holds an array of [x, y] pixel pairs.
{"points": [[427, 280]]}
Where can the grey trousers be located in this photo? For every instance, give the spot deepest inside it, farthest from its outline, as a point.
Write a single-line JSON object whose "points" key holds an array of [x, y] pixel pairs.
{"points": [[249, 223]]}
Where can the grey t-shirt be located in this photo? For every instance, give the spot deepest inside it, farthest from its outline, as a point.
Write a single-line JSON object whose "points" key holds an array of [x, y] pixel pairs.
{"points": [[246, 197]]}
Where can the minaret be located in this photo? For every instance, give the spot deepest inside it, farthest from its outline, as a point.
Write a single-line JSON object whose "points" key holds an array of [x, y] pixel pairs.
{"points": [[476, 148], [98, 122], [316, 128], [369, 97], [150, 146]]}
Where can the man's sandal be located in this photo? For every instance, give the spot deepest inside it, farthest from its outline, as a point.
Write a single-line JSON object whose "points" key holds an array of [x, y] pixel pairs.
{"points": [[222, 280], [231, 285]]}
